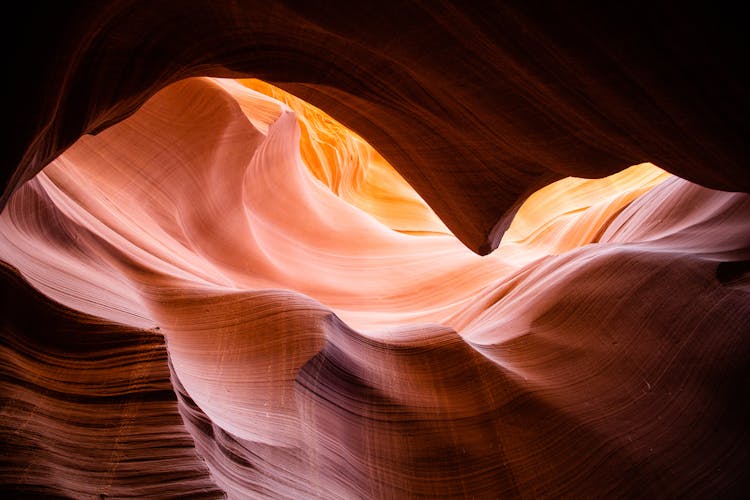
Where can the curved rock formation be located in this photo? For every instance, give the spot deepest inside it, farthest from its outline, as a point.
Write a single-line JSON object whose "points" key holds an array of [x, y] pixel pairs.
{"points": [[327, 336], [88, 409], [476, 107], [211, 288]]}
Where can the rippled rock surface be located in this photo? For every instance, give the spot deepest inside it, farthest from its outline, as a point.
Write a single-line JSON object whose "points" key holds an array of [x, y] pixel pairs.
{"points": [[225, 291]]}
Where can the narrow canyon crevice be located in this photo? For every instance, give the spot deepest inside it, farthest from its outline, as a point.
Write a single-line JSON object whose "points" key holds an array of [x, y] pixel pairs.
{"points": [[414, 251]]}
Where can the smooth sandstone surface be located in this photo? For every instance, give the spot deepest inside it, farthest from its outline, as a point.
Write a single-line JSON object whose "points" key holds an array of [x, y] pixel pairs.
{"points": [[476, 106], [326, 335], [211, 288]]}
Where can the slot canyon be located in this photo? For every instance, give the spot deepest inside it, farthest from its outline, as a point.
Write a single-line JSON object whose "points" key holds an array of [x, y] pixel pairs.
{"points": [[375, 250]]}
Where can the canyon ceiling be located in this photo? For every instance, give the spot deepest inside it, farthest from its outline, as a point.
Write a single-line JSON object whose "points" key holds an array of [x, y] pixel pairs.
{"points": [[377, 250]]}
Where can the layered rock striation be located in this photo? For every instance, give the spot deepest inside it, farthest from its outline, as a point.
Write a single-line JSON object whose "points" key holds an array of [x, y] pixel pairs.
{"points": [[414, 250], [326, 335]]}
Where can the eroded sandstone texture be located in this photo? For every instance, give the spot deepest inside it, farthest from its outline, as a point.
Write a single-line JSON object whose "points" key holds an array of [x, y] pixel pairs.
{"points": [[226, 292]]}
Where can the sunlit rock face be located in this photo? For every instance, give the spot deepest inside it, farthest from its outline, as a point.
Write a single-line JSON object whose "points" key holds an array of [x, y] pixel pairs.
{"points": [[225, 291], [235, 257], [476, 106]]}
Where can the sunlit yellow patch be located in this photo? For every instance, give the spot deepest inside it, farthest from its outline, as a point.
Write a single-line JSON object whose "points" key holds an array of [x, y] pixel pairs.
{"points": [[552, 218], [357, 173], [353, 170]]}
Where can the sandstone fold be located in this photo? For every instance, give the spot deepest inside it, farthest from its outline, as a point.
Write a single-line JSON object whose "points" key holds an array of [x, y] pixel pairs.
{"points": [[477, 108], [229, 293], [88, 410]]}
